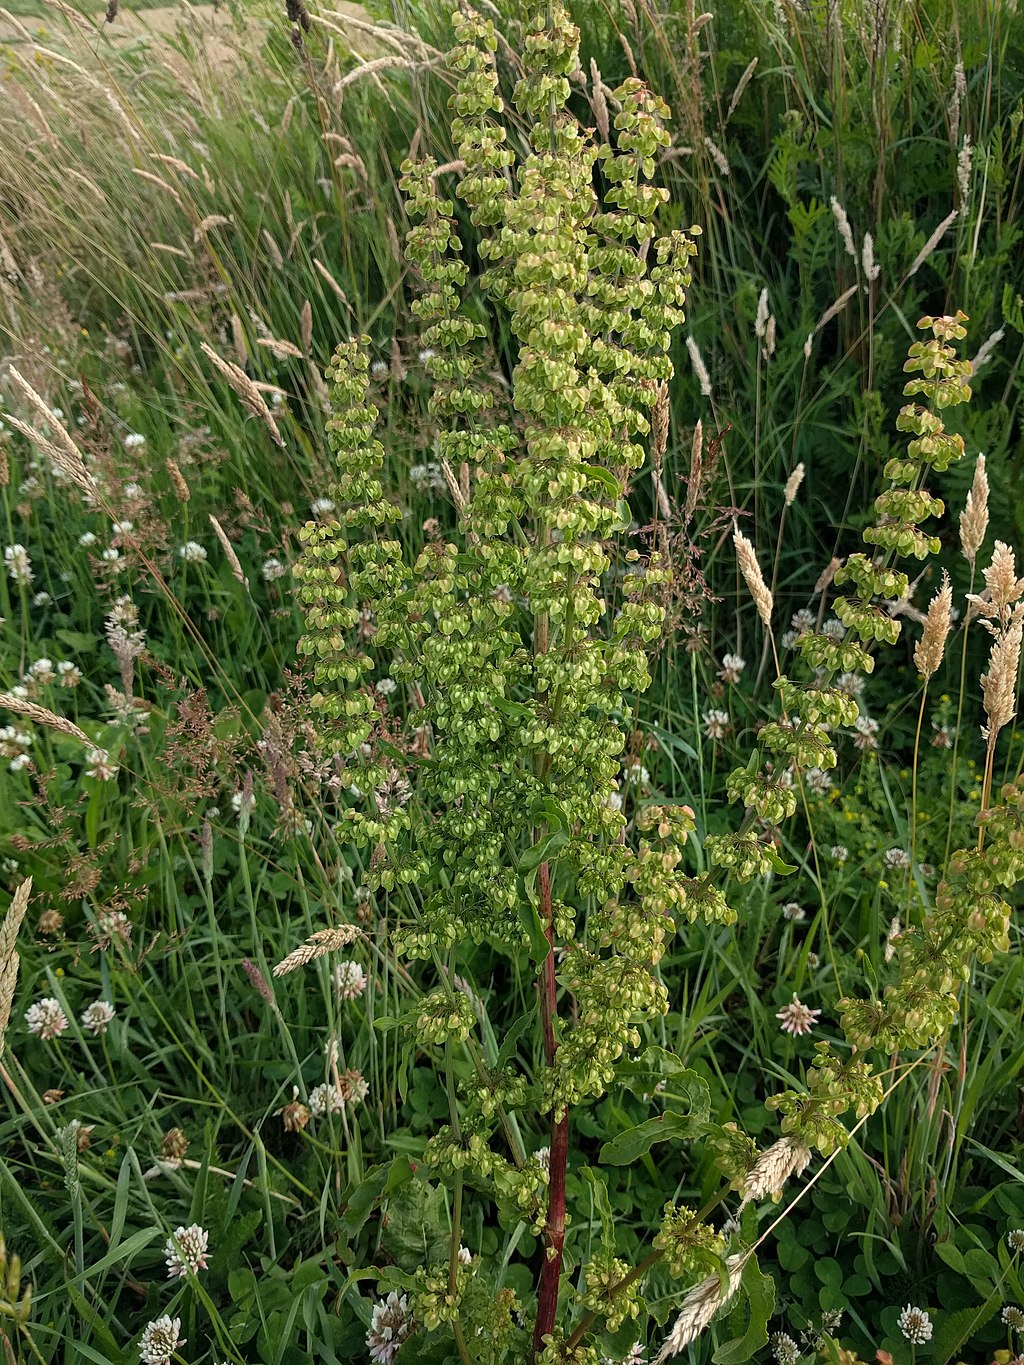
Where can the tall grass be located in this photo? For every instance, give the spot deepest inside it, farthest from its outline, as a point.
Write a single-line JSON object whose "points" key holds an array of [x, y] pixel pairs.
{"points": [[154, 202]]}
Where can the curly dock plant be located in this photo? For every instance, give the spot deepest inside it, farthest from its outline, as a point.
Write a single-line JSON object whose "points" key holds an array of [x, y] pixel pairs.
{"points": [[520, 680]]}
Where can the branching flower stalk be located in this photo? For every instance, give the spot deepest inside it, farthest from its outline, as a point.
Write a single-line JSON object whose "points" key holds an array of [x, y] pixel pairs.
{"points": [[507, 640], [522, 677]]}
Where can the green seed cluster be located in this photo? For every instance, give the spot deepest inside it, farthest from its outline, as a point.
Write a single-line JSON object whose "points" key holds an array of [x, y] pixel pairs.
{"points": [[603, 1273], [503, 634], [692, 1249]]}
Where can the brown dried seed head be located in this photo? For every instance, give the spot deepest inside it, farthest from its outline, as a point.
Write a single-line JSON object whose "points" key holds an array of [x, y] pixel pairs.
{"points": [[229, 551], [785, 1158], [931, 646], [321, 943], [974, 517], [659, 425], [700, 1306], [793, 484], [598, 103], [751, 571], [693, 483], [9, 954], [61, 449], [999, 682], [178, 480], [41, 716]]}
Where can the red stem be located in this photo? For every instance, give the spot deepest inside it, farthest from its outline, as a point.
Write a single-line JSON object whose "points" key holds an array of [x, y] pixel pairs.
{"points": [[554, 1230]]}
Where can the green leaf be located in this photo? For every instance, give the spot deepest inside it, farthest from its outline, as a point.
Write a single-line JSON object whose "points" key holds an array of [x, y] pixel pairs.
{"points": [[642, 1075], [123, 1252], [947, 1252], [543, 850], [362, 1197], [598, 474], [512, 1037], [547, 809], [782, 868], [954, 1329], [636, 1142], [602, 1203], [760, 1292], [529, 918], [77, 639]]}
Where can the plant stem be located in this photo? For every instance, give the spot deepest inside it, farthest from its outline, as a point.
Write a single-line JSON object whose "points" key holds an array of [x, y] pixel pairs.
{"points": [[554, 1229], [913, 792]]}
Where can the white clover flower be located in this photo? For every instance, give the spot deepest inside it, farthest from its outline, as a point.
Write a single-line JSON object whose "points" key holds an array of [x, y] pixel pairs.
{"points": [[391, 1324], [896, 858], [850, 683], [110, 555], [793, 911], [785, 1349], [42, 671], [100, 765], [943, 737], [354, 1087], [796, 1018], [426, 477], [839, 853], [716, 724], [895, 929], [134, 440], [242, 802], [834, 629], [19, 762], [19, 566], [192, 552], [732, 668], [818, 780], [802, 621], [160, 1340], [1013, 1318], [916, 1325], [70, 674], [350, 980], [379, 368], [133, 490], [1015, 1240], [186, 1253], [866, 733], [87, 540], [42, 599], [543, 1155], [46, 1018], [121, 528], [97, 1016], [426, 354], [273, 569], [637, 773], [386, 686], [326, 1099], [12, 741], [321, 507], [465, 1256]]}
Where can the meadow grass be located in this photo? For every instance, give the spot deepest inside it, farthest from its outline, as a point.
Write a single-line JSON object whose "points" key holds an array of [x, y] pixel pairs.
{"points": [[151, 207]]}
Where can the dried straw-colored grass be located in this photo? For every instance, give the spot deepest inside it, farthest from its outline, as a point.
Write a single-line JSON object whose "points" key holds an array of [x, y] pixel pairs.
{"points": [[318, 945]]}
